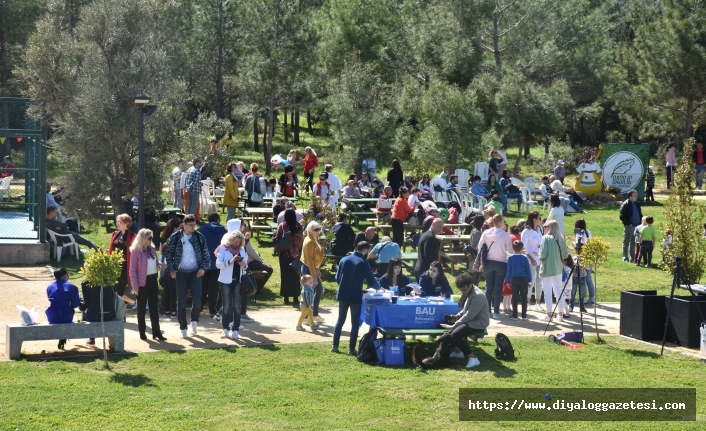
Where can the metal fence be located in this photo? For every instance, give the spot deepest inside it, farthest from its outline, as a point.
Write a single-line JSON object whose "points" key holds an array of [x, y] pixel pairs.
{"points": [[23, 175]]}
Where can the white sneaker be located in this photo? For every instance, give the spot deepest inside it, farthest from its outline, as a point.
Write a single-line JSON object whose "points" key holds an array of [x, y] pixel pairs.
{"points": [[545, 318], [472, 362], [194, 328], [497, 316], [240, 328], [182, 333], [560, 318], [539, 307], [458, 355], [224, 334], [234, 335]]}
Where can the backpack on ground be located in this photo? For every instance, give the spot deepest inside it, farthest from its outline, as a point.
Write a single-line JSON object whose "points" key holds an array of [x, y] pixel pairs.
{"points": [[503, 348], [366, 346]]}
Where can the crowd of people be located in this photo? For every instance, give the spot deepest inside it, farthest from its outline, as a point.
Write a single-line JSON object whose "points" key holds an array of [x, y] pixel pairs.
{"points": [[530, 259]]}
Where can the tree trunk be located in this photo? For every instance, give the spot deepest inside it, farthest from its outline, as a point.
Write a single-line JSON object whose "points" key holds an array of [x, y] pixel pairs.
{"points": [[527, 151], [689, 119], [296, 122], [451, 160], [546, 145], [265, 128], [3, 48], [516, 169], [496, 47], [358, 166], [310, 129], [256, 132], [286, 139], [219, 83], [268, 150]]}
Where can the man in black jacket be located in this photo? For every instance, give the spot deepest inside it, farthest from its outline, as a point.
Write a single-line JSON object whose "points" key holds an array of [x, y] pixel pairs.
{"points": [[428, 248], [631, 216], [368, 235], [343, 236]]}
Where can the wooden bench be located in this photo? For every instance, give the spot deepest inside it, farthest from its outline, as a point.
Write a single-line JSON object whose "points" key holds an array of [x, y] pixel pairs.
{"points": [[356, 216], [257, 228], [454, 258], [432, 333], [16, 334]]}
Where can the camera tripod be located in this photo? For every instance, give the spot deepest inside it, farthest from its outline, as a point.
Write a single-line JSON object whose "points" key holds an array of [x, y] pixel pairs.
{"points": [[678, 271], [576, 268]]}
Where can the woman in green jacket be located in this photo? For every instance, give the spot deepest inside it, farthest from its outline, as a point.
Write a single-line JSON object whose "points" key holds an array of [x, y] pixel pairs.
{"points": [[552, 253]]}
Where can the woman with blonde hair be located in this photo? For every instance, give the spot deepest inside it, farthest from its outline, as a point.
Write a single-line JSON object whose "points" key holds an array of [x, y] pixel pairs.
{"points": [[552, 253], [311, 161], [232, 260], [313, 258], [144, 267]]}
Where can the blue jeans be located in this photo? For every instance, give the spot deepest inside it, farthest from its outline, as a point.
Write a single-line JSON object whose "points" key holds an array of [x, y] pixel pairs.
{"points": [[517, 196], [586, 281], [494, 276], [231, 305], [699, 173], [573, 204], [355, 319], [628, 242], [318, 290], [194, 198], [184, 281]]}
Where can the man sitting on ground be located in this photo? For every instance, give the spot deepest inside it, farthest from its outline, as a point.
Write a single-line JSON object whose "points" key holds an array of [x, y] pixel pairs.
{"points": [[63, 229]]}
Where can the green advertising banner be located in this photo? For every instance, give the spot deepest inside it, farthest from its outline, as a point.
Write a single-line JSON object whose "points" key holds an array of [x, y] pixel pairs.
{"points": [[625, 167]]}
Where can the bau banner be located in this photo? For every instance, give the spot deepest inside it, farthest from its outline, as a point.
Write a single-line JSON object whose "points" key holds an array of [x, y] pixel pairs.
{"points": [[625, 167]]}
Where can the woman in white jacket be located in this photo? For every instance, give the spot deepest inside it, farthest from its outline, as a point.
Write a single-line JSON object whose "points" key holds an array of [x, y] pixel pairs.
{"points": [[499, 244], [232, 260]]}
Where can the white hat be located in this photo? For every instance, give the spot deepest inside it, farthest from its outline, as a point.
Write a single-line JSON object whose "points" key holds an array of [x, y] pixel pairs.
{"points": [[561, 162], [650, 167], [233, 224]]}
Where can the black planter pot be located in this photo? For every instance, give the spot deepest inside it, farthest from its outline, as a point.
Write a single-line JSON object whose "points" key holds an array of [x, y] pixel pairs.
{"points": [[685, 320], [642, 314]]}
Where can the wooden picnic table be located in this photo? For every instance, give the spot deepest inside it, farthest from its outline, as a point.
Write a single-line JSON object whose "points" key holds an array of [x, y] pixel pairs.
{"points": [[366, 202], [444, 239]]}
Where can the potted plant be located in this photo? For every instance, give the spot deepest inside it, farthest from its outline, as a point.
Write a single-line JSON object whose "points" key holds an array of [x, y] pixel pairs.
{"points": [[102, 270]]}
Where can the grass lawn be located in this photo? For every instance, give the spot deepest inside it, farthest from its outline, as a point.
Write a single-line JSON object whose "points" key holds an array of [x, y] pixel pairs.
{"points": [[305, 387]]}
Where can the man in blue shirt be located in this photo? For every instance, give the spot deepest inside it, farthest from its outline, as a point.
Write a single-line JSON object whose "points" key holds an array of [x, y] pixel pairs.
{"points": [[192, 183], [352, 271], [63, 298], [383, 252]]}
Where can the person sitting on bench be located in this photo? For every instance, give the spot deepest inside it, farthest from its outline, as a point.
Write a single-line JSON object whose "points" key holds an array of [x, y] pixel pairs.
{"points": [[63, 298]]}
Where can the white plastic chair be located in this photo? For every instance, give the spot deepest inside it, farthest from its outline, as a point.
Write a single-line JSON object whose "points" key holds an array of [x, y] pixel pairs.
{"points": [[527, 201], [467, 205], [463, 177], [515, 181], [5, 187], [68, 242], [545, 199], [62, 218], [532, 184], [481, 169], [208, 205], [209, 186], [439, 196], [482, 202]]}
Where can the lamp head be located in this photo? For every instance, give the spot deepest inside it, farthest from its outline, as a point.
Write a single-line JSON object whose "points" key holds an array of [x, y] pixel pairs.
{"points": [[142, 99]]}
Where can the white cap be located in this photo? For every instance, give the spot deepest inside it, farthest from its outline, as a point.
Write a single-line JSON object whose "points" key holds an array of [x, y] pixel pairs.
{"points": [[561, 162], [650, 167]]}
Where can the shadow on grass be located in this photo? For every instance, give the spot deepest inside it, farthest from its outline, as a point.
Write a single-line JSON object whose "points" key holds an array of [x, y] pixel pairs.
{"points": [[643, 354], [132, 380]]}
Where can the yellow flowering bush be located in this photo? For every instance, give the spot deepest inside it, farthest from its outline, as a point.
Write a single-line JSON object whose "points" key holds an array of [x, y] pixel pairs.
{"points": [[595, 252], [102, 269]]}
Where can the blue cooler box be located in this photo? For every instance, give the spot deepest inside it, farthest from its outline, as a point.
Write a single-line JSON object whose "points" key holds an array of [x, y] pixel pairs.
{"points": [[394, 352]]}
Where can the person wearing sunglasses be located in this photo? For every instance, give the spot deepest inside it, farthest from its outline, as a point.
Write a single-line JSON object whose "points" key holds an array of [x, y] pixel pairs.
{"points": [[312, 258], [144, 266]]}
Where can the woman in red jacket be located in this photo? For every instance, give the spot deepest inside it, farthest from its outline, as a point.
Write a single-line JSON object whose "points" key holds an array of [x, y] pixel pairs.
{"points": [[122, 240], [400, 212], [311, 161], [144, 268]]}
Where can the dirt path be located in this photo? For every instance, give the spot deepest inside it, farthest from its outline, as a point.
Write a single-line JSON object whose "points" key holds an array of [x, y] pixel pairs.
{"points": [[273, 325]]}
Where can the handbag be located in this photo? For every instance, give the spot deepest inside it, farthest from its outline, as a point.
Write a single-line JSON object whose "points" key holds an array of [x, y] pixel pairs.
{"points": [[129, 295], [248, 284], [297, 265], [283, 243], [484, 252]]}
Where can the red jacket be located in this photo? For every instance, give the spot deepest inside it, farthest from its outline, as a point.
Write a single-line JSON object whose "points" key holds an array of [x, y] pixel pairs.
{"points": [[130, 237], [401, 209], [310, 162], [7, 171]]}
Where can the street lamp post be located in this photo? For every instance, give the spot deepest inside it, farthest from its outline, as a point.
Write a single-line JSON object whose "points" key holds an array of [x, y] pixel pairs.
{"points": [[141, 102]]}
